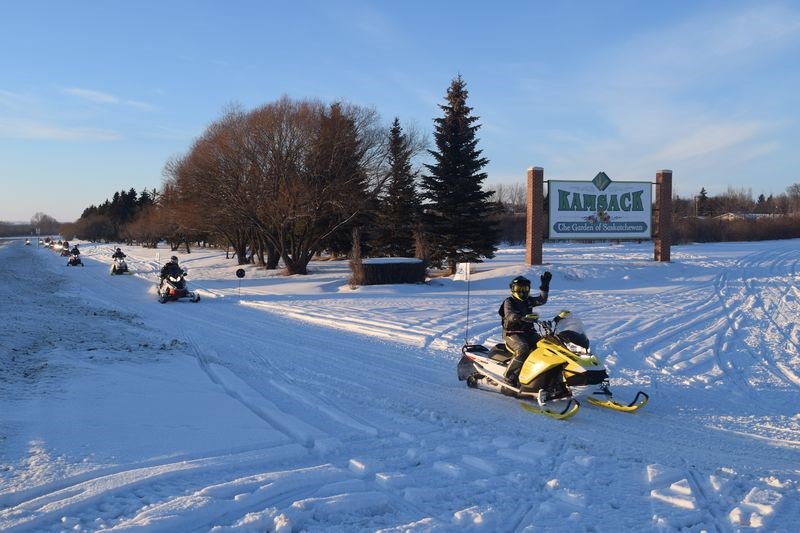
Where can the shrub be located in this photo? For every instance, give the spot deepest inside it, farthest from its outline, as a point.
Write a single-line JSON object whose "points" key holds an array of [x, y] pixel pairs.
{"points": [[387, 271]]}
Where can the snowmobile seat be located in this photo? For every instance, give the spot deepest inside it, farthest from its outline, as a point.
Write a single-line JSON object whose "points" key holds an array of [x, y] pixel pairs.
{"points": [[474, 348], [500, 353]]}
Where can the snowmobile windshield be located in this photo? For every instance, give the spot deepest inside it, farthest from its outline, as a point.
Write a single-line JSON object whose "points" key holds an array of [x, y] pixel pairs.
{"points": [[572, 330]]}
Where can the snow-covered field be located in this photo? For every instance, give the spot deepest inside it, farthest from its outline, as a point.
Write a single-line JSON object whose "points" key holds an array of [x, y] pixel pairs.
{"points": [[300, 404]]}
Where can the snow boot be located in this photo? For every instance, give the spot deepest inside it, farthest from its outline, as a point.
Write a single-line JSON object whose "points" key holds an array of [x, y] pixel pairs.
{"points": [[512, 372]]}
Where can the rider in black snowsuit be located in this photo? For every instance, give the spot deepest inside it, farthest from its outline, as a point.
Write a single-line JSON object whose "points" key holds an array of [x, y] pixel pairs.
{"points": [[518, 332], [118, 254], [171, 269]]}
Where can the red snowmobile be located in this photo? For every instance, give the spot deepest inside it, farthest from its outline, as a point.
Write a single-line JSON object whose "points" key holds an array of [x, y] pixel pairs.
{"points": [[174, 288]]}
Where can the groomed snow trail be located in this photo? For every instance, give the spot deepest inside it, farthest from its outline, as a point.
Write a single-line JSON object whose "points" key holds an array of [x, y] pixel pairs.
{"points": [[357, 422]]}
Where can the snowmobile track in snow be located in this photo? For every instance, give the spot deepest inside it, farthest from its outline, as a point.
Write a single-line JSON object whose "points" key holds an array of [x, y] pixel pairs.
{"points": [[400, 445]]}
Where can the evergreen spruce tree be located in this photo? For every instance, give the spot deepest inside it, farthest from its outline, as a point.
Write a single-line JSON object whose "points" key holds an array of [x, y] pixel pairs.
{"points": [[457, 211], [398, 214], [701, 203], [145, 199]]}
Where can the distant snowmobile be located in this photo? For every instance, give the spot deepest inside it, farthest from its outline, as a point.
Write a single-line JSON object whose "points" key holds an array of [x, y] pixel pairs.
{"points": [[27, 242], [75, 260], [174, 288], [558, 369], [119, 266]]}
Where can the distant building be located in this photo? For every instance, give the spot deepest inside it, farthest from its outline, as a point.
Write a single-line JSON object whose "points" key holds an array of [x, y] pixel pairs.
{"points": [[743, 216]]}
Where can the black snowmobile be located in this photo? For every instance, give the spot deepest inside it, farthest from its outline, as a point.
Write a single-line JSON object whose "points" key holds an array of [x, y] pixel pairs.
{"points": [[75, 260], [119, 266]]}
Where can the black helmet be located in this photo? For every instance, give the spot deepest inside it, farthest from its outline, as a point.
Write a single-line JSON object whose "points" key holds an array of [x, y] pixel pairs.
{"points": [[520, 287], [119, 249], [173, 259]]}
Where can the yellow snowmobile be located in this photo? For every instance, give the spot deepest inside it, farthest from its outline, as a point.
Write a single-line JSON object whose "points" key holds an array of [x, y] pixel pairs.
{"points": [[559, 368]]}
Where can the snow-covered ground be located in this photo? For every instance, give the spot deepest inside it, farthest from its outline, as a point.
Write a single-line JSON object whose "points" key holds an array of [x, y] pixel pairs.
{"points": [[301, 404]]}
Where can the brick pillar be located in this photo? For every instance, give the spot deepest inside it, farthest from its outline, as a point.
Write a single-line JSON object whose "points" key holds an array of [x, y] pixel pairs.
{"points": [[663, 216], [535, 225]]}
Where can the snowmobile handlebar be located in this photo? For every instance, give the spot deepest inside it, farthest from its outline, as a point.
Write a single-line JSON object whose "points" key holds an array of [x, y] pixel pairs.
{"points": [[547, 327]]}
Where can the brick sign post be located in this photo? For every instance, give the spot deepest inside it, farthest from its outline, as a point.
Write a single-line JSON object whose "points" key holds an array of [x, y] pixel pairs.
{"points": [[534, 233], [663, 216]]}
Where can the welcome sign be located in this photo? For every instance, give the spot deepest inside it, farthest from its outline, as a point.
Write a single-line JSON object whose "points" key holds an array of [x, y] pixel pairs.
{"points": [[600, 209]]}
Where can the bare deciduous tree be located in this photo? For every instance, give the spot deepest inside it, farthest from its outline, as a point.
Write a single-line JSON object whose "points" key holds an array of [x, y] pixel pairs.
{"points": [[793, 197], [295, 172], [45, 223], [513, 196]]}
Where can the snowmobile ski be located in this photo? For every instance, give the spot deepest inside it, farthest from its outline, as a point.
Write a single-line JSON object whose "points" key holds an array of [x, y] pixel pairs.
{"points": [[639, 401], [528, 401], [570, 409]]}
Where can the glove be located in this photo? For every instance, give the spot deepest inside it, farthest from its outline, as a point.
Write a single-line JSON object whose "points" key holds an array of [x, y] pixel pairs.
{"points": [[546, 277]]}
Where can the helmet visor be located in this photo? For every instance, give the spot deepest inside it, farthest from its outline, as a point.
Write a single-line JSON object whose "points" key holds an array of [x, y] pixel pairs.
{"points": [[521, 289]]}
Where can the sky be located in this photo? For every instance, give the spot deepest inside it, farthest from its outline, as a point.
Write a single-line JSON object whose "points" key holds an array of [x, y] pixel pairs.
{"points": [[96, 96]]}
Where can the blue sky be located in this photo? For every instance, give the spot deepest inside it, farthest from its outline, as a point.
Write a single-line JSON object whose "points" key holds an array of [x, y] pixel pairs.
{"points": [[96, 96]]}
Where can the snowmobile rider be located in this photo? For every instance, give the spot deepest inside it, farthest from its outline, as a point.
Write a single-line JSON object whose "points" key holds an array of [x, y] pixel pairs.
{"points": [[171, 269], [519, 333], [75, 251], [118, 254]]}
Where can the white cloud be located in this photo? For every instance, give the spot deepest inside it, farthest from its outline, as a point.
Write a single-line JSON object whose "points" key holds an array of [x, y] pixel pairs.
{"points": [[675, 71], [14, 100], [708, 139], [676, 97], [705, 49], [93, 96], [100, 97], [29, 129]]}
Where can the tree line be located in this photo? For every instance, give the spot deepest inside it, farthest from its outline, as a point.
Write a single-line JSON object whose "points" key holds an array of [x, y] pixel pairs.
{"points": [[735, 216], [738, 201], [110, 220], [292, 179], [694, 217], [731, 215]]}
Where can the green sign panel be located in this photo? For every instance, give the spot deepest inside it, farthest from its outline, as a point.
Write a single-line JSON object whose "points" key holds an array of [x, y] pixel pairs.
{"points": [[600, 209]]}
